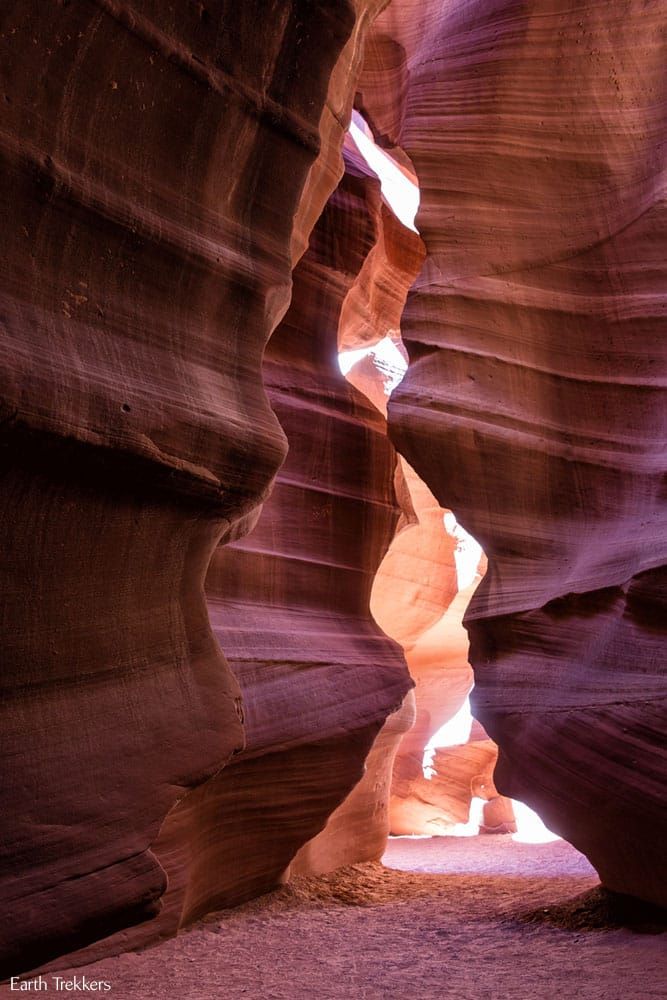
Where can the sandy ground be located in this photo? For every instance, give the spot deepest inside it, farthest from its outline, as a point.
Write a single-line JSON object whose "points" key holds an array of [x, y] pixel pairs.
{"points": [[444, 919]]}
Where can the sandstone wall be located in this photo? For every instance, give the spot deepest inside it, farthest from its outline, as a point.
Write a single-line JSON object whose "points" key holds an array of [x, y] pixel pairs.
{"points": [[163, 166], [534, 402], [289, 604]]}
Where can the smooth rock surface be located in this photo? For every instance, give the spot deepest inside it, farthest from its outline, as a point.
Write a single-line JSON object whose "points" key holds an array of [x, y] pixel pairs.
{"points": [[289, 604], [162, 173], [534, 404]]}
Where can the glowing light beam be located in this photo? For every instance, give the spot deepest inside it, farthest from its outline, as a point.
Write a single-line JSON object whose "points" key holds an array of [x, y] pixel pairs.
{"points": [[400, 193]]}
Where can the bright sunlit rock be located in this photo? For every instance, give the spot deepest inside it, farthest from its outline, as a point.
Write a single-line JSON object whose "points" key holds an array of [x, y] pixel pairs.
{"points": [[530, 828], [467, 553], [455, 732], [400, 193], [386, 357]]}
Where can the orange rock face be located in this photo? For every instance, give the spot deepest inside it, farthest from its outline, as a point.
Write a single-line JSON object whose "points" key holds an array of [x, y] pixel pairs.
{"points": [[533, 403]]}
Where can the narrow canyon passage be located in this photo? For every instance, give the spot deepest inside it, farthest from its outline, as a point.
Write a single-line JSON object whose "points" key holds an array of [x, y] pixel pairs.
{"points": [[332, 504], [443, 919]]}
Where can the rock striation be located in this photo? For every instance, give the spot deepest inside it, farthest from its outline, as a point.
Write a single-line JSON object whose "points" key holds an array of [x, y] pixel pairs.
{"points": [[534, 401], [289, 604], [424, 583], [162, 172]]}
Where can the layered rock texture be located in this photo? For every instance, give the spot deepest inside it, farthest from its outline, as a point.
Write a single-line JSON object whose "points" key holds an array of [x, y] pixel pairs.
{"points": [[290, 603], [534, 405], [420, 594], [163, 169]]}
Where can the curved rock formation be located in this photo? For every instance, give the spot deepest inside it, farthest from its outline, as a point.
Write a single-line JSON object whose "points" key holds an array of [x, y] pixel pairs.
{"points": [[533, 405], [289, 604], [163, 169], [422, 588]]}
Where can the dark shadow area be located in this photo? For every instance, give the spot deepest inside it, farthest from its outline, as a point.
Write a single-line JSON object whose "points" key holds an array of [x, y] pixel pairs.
{"points": [[602, 910]]}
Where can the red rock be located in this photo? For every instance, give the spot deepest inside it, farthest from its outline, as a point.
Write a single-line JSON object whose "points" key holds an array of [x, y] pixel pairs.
{"points": [[289, 604], [162, 174], [532, 402], [164, 169]]}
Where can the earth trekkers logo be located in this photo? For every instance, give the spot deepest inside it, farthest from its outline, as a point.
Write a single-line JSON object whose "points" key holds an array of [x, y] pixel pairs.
{"points": [[59, 984]]}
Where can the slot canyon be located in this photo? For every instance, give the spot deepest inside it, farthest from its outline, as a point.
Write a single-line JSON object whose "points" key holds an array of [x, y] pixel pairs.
{"points": [[333, 433]]}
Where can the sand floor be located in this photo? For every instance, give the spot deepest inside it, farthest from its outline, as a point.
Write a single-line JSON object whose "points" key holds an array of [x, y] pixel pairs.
{"points": [[448, 925]]}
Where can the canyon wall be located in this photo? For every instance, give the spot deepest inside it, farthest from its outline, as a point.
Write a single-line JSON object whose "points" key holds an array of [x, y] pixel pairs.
{"points": [[289, 604], [162, 170], [534, 403]]}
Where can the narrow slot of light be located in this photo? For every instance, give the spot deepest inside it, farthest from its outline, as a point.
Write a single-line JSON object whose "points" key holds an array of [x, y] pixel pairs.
{"points": [[386, 358], [529, 827], [455, 732], [401, 194], [467, 554], [347, 359], [402, 197]]}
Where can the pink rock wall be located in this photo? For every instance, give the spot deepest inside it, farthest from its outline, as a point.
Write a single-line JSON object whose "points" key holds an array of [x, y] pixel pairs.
{"points": [[162, 174], [164, 168], [534, 404], [289, 604]]}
